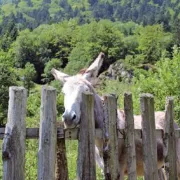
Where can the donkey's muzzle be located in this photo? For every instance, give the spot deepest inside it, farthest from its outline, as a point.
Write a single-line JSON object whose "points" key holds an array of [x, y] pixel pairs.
{"points": [[69, 118]]}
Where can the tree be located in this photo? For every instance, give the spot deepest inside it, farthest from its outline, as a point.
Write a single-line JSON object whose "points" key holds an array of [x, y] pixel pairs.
{"points": [[7, 78], [9, 32], [42, 44], [152, 42], [28, 75], [90, 39], [53, 63], [176, 29]]}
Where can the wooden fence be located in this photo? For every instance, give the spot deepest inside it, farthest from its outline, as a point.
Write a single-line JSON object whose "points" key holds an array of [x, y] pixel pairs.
{"points": [[52, 163]]}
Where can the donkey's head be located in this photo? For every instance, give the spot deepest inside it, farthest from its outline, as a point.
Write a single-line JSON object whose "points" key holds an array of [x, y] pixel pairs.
{"points": [[73, 87]]}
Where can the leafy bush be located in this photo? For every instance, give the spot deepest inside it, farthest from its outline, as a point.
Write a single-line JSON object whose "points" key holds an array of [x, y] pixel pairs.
{"points": [[165, 81], [33, 104], [7, 78], [53, 63], [90, 39], [27, 76]]}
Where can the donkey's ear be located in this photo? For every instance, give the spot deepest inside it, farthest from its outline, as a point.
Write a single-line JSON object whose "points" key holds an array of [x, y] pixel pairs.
{"points": [[59, 75], [92, 71]]}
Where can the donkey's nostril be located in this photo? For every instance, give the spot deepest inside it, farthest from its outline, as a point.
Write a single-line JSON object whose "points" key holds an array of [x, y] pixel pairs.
{"points": [[74, 117]]}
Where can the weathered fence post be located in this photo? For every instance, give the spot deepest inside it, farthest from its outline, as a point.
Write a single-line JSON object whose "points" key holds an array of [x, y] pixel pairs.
{"points": [[61, 160], [130, 143], [13, 152], [86, 166], [47, 135], [149, 137], [170, 142], [111, 158]]}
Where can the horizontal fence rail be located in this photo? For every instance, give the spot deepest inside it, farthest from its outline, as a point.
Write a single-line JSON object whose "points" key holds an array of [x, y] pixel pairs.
{"points": [[72, 134]]}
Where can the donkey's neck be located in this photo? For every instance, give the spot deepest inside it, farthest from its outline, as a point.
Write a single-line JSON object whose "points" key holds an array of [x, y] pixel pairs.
{"points": [[98, 107], [98, 111]]}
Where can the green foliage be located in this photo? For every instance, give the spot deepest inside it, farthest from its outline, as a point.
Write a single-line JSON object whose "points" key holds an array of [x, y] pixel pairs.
{"points": [[53, 63], [164, 82], [32, 144], [8, 9], [132, 61], [33, 104], [7, 78], [32, 120], [115, 87], [8, 32], [6, 59], [152, 42], [32, 13], [90, 39], [41, 45], [28, 74], [31, 159]]}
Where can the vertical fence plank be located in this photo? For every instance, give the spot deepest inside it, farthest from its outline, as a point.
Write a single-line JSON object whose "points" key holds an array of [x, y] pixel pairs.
{"points": [[86, 167], [130, 143], [149, 137], [47, 135], [111, 159], [61, 160], [170, 142], [13, 151]]}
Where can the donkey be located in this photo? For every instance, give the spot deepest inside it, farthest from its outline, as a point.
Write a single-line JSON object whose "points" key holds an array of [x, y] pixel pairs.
{"points": [[74, 86]]}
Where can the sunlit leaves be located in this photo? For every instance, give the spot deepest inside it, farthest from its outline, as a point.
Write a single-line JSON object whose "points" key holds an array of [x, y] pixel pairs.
{"points": [[165, 81]]}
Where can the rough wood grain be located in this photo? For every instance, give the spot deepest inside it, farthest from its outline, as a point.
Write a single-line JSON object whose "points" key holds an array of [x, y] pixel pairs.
{"points": [[111, 137], [130, 143], [149, 137], [47, 135], [86, 166], [61, 160], [13, 150], [177, 133], [170, 142]]}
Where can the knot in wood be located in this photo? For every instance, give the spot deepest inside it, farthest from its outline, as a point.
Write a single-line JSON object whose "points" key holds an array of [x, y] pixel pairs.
{"points": [[6, 155]]}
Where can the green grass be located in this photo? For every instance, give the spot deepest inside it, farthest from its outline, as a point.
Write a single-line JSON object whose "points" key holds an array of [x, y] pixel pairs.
{"points": [[72, 149]]}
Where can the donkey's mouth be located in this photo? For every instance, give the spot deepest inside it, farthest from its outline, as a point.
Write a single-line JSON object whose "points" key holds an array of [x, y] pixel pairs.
{"points": [[72, 125]]}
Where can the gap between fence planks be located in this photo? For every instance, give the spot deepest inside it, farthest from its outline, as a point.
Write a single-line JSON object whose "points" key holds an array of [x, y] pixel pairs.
{"points": [[61, 160]]}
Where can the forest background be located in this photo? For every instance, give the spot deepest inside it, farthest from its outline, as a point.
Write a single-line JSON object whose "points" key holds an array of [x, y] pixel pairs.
{"points": [[140, 39]]}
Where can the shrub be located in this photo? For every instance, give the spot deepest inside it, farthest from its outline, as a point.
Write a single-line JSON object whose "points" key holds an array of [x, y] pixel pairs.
{"points": [[165, 81]]}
